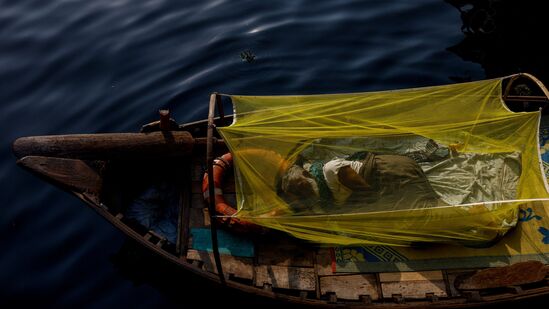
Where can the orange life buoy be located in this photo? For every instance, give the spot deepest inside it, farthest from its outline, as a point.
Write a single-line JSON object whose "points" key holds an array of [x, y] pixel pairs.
{"points": [[220, 165]]}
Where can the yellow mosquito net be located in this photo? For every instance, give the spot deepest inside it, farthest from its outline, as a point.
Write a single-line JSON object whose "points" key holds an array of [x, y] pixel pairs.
{"points": [[437, 164]]}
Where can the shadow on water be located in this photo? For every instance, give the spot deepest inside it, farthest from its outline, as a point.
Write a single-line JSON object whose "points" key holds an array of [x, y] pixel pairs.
{"points": [[504, 37]]}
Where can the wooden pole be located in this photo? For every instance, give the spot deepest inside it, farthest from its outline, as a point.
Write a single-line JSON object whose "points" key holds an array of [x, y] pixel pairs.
{"points": [[164, 119], [220, 109], [211, 188], [526, 98], [106, 145]]}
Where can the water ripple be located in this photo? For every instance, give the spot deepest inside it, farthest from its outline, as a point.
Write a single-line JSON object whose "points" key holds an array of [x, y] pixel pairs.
{"points": [[108, 66]]}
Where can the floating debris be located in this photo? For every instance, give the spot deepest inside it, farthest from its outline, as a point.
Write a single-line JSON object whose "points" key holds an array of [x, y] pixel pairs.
{"points": [[247, 56]]}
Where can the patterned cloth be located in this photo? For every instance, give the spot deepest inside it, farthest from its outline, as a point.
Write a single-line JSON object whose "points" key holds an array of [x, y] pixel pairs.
{"points": [[528, 242]]}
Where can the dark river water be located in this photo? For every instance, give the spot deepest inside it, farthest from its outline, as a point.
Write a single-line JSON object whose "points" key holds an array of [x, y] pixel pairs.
{"points": [[77, 66]]}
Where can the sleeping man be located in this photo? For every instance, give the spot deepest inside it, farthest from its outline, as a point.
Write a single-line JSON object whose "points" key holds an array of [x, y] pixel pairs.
{"points": [[388, 181], [369, 182]]}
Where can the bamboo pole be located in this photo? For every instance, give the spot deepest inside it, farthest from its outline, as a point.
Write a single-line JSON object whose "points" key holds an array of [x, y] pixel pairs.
{"points": [[211, 189]]}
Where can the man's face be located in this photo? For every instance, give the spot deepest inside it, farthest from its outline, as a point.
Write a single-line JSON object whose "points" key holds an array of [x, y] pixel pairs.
{"points": [[300, 188], [305, 185]]}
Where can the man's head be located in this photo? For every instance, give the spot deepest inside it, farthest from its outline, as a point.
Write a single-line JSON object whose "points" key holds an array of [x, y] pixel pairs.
{"points": [[299, 187]]}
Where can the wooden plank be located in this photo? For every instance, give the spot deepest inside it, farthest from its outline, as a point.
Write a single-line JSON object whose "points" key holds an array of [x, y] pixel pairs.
{"points": [[206, 216], [324, 262], [197, 217], [411, 276], [76, 175], [284, 253], [197, 171], [183, 223], [413, 284], [197, 187], [295, 278], [106, 145], [197, 200], [236, 266], [515, 274], [414, 289], [526, 98], [350, 287]]}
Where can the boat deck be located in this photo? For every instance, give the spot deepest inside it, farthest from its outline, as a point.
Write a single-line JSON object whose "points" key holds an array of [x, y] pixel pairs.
{"points": [[282, 266]]}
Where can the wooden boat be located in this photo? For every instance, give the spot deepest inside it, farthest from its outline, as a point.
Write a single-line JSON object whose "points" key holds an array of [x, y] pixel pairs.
{"points": [[106, 170]]}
